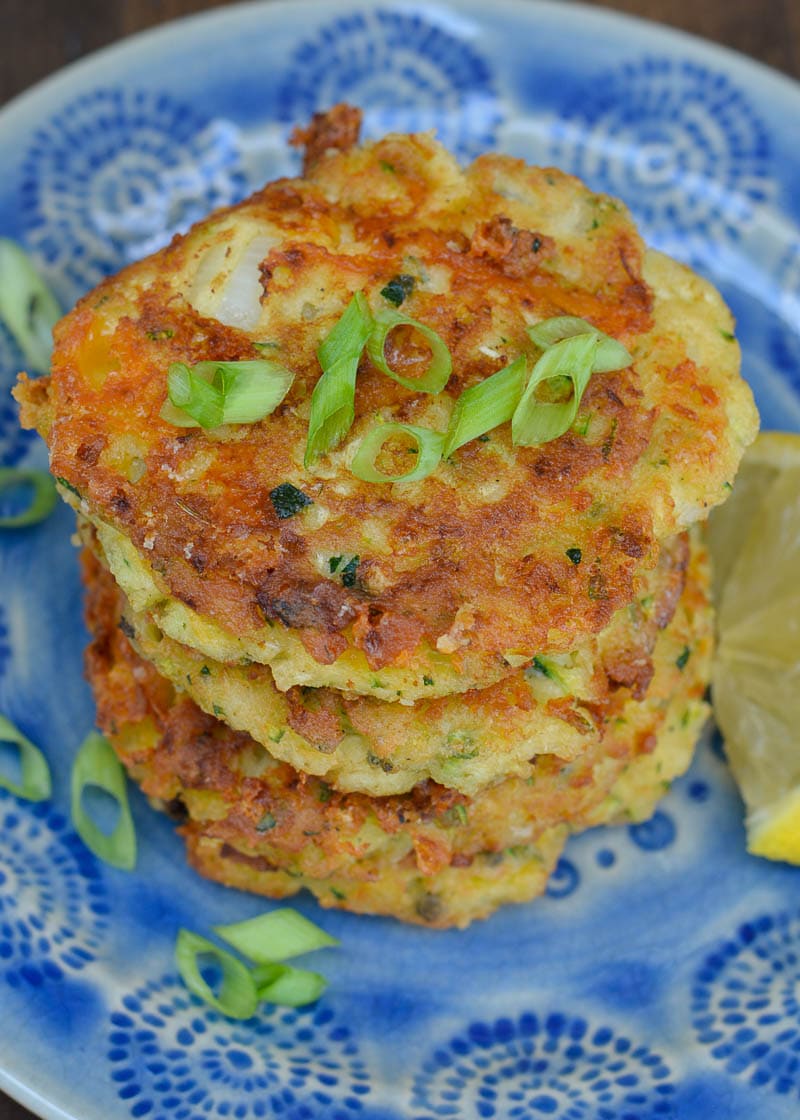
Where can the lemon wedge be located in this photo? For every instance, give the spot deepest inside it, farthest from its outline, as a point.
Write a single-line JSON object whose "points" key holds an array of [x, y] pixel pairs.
{"points": [[755, 549]]}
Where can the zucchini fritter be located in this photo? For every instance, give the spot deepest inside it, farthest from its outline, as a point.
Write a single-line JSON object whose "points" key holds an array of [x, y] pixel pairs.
{"points": [[464, 741], [430, 855], [458, 576]]}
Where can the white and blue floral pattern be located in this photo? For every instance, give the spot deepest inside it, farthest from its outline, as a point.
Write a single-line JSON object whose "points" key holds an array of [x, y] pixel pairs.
{"points": [[659, 974], [543, 1065], [171, 1056], [410, 74], [116, 173]]}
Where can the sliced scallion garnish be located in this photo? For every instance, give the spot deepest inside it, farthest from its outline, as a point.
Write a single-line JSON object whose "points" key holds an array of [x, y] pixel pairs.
{"points": [[209, 394], [275, 936], [610, 354], [96, 765], [486, 405], [333, 398], [42, 502], [428, 453], [34, 783], [27, 305], [287, 986], [250, 390], [567, 365], [237, 997], [438, 372]]}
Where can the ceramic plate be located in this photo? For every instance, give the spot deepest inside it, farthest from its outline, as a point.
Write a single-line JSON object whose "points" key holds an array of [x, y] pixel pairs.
{"points": [[660, 976]]}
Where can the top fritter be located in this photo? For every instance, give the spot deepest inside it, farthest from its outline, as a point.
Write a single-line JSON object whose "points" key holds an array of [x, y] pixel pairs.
{"points": [[411, 588]]}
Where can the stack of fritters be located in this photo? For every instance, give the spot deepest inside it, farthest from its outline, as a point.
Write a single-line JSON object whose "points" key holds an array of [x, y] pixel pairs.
{"points": [[401, 696]]}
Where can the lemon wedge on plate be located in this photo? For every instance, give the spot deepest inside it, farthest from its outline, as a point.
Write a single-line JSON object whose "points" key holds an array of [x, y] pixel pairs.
{"points": [[755, 548]]}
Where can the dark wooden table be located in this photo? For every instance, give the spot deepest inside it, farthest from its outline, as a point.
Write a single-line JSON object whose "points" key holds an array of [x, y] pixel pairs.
{"points": [[40, 36]]}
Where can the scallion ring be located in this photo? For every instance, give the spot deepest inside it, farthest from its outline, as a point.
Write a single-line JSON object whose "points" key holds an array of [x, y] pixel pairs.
{"points": [[275, 936], [43, 499], [237, 997], [428, 449], [486, 405], [210, 394], [610, 354], [27, 305], [538, 421], [97, 765], [35, 783], [438, 372], [287, 986], [333, 398]]}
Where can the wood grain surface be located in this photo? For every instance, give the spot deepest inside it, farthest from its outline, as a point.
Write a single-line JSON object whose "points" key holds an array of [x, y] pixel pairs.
{"points": [[41, 36]]}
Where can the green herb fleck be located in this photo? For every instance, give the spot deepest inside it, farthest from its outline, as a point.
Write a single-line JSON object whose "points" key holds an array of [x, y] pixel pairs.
{"points": [[545, 668], [276, 736], [383, 763], [205, 671], [218, 712], [325, 792], [386, 166], [427, 681], [484, 438], [267, 823], [608, 443], [338, 894], [349, 572], [727, 335], [574, 555], [159, 336], [287, 500], [267, 345], [460, 811], [334, 563], [398, 289], [682, 658], [68, 486]]}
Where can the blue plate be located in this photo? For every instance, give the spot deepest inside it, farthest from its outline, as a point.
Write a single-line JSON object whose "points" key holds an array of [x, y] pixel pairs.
{"points": [[660, 976]]}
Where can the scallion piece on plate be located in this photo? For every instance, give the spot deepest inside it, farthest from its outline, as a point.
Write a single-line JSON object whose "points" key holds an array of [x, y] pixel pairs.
{"points": [[27, 306], [275, 936], [287, 986], [434, 379], [209, 394], [34, 783], [237, 996], [427, 453], [486, 405], [333, 398], [550, 402], [97, 766], [610, 354], [43, 498]]}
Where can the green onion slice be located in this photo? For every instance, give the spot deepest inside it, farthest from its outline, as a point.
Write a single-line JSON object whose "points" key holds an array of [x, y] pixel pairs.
{"points": [[97, 765], [238, 997], [486, 405], [291, 987], [42, 502], [428, 456], [333, 399], [537, 421], [610, 354], [27, 305], [275, 936], [209, 394], [35, 783], [438, 373]]}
